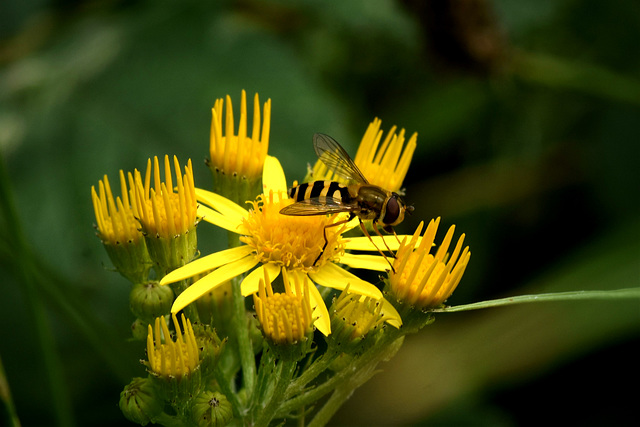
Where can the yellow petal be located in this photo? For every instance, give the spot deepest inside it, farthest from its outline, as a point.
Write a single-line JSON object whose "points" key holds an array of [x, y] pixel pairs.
{"points": [[221, 204], [206, 263], [369, 262], [216, 218], [375, 243], [320, 311], [332, 276], [250, 283], [213, 280], [273, 178]]}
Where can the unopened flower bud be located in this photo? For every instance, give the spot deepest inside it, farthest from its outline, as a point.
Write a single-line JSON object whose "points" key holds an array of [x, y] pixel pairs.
{"points": [[211, 409], [139, 329], [139, 401], [356, 321], [150, 300]]}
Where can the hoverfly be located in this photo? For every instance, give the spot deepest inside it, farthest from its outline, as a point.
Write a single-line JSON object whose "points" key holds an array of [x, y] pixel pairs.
{"points": [[358, 198]]}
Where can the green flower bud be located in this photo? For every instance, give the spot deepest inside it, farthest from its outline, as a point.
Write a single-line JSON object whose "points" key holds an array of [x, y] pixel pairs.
{"points": [[139, 402], [210, 346], [211, 409], [355, 322], [150, 300], [139, 329]]}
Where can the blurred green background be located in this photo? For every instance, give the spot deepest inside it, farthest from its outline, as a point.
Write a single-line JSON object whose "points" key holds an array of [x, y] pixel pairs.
{"points": [[528, 116]]}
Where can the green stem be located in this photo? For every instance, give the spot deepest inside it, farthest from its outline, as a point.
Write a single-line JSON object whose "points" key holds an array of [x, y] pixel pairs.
{"points": [[557, 296], [315, 369], [357, 373], [349, 376], [191, 311], [240, 327], [225, 387], [265, 376], [284, 373]]}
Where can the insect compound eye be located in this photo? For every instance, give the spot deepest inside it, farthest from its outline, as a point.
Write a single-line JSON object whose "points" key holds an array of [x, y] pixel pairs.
{"points": [[392, 210]]}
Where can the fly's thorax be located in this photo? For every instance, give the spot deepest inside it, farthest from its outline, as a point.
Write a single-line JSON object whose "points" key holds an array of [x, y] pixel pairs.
{"points": [[371, 200]]}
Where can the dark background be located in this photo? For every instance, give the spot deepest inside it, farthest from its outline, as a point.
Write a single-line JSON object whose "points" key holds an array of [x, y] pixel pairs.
{"points": [[528, 116]]}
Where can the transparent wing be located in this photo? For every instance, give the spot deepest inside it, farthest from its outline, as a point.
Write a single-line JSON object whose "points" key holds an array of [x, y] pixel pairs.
{"points": [[336, 158], [317, 206]]}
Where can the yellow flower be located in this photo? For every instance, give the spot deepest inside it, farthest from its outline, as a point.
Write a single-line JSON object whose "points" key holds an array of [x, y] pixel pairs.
{"points": [[116, 221], [164, 211], [383, 164], [167, 214], [239, 154], [286, 318], [173, 359], [423, 280], [279, 242], [118, 229]]}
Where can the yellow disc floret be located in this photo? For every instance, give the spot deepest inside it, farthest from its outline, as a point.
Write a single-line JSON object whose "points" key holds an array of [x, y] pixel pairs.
{"points": [[295, 242], [286, 317], [172, 358]]}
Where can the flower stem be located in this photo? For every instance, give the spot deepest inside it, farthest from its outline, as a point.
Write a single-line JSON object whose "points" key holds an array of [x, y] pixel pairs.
{"points": [[357, 373], [315, 369], [239, 326], [284, 373], [557, 296]]}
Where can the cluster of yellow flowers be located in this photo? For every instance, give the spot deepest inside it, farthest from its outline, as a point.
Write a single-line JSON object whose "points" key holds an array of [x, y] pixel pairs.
{"points": [[150, 235]]}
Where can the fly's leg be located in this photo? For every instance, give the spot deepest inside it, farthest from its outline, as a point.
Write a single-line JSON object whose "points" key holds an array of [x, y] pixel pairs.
{"points": [[366, 233], [324, 232]]}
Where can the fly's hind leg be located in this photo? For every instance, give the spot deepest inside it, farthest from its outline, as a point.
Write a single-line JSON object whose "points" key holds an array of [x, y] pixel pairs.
{"points": [[324, 232], [366, 233]]}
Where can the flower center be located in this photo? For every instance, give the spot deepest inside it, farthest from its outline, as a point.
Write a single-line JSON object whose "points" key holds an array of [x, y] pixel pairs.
{"points": [[295, 242]]}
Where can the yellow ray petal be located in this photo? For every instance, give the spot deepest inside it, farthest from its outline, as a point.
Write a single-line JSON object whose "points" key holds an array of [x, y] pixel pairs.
{"points": [[216, 218], [223, 205], [369, 262], [213, 280], [366, 244], [273, 178], [320, 311], [206, 263], [332, 276], [250, 283]]}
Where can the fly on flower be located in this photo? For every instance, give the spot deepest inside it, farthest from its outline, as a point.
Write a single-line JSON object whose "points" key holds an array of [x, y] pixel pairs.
{"points": [[358, 198]]}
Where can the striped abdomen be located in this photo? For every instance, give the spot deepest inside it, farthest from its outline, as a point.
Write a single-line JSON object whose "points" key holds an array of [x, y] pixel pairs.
{"points": [[312, 190]]}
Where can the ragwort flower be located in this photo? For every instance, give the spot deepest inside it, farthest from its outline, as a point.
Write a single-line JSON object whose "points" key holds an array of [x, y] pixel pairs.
{"points": [[118, 229], [273, 242], [167, 215], [423, 280], [383, 163]]}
